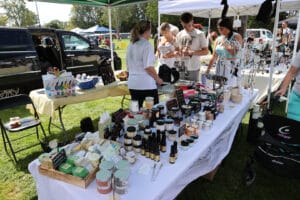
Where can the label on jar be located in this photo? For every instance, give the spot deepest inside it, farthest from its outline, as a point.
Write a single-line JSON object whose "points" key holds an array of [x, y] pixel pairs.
{"points": [[172, 159]]}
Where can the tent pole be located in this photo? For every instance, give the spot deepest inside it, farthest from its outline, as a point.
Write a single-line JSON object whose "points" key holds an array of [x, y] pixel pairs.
{"points": [[110, 38], [209, 23], [273, 51], [294, 54]]}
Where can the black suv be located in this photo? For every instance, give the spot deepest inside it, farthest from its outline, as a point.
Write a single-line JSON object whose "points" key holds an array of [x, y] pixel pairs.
{"points": [[27, 53]]}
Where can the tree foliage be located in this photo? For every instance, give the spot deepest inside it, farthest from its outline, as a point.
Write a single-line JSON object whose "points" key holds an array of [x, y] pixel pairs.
{"points": [[56, 24], [17, 13], [85, 16], [3, 20]]}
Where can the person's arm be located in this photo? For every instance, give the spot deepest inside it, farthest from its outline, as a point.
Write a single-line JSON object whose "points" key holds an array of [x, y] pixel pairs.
{"points": [[232, 49], [212, 62], [152, 72], [286, 81]]}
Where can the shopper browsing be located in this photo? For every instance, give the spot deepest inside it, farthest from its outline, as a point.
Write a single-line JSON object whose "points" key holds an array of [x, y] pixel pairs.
{"points": [[192, 44], [140, 60], [227, 52]]}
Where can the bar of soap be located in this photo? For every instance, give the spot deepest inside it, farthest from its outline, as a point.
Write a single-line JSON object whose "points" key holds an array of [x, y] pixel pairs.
{"points": [[72, 159], [80, 172], [66, 168]]}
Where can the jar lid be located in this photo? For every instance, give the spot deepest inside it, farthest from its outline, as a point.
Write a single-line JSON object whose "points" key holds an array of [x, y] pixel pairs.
{"points": [[106, 165], [190, 140], [131, 129], [169, 121], [126, 136], [160, 122], [137, 146], [172, 132], [184, 143], [127, 145], [103, 175], [155, 109], [122, 164], [137, 138], [122, 174]]}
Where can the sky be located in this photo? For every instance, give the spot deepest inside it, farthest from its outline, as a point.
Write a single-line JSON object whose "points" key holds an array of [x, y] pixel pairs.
{"points": [[50, 11]]}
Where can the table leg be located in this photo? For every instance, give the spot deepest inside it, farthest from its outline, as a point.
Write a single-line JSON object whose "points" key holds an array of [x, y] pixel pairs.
{"points": [[60, 110], [62, 126]]}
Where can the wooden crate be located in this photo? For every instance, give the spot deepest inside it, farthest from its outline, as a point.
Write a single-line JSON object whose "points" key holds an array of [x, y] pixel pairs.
{"points": [[67, 178]]}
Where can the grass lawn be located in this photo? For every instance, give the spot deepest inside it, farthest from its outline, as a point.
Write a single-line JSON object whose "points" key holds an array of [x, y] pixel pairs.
{"points": [[17, 184]]}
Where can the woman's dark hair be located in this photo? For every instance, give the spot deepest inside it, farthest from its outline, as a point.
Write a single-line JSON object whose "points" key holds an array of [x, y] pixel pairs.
{"points": [[281, 32], [186, 17], [139, 29], [227, 23]]}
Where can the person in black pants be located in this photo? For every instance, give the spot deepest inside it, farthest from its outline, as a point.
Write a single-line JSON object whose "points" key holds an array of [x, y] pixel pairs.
{"points": [[140, 59]]}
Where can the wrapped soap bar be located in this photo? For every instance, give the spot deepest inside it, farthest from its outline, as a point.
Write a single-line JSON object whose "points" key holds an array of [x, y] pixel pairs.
{"points": [[80, 172], [66, 168], [72, 159]]}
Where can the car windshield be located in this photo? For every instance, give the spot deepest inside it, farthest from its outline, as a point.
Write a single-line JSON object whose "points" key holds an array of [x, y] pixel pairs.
{"points": [[269, 34]]}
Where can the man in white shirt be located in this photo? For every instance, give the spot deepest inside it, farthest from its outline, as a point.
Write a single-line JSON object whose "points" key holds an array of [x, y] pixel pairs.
{"points": [[192, 44]]}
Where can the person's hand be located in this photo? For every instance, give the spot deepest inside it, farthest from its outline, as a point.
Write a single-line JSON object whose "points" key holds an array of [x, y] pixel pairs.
{"points": [[159, 81], [177, 53], [169, 55], [280, 92]]}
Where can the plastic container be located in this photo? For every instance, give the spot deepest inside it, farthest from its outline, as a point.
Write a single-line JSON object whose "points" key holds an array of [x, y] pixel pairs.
{"points": [[103, 180], [106, 165], [122, 165], [80, 172]]}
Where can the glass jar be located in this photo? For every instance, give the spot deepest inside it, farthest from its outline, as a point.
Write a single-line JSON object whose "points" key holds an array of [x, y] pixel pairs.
{"points": [[160, 125], [103, 180], [149, 102], [174, 112], [106, 165], [131, 131], [186, 110], [137, 140], [169, 124], [172, 135], [121, 181]]}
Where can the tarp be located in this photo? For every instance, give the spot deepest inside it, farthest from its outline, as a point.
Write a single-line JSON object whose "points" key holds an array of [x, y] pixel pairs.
{"points": [[111, 3], [97, 29], [213, 8], [77, 30]]}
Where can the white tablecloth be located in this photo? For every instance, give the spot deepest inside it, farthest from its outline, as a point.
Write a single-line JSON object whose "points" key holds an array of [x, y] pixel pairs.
{"points": [[211, 148]]}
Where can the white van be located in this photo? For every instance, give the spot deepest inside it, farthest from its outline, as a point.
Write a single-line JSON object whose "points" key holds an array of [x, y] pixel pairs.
{"points": [[260, 33]]}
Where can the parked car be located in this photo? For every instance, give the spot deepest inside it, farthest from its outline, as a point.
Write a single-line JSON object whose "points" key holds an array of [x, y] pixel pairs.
{"points": [[260, 34], [27, 53]]}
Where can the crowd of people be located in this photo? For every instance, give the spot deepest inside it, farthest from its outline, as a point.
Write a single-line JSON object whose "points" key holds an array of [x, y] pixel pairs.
{"points": [[187, 46]]}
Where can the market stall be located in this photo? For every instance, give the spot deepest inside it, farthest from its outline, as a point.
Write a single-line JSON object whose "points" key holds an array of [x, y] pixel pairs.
{"points": [[168, 178], [47, 106]]}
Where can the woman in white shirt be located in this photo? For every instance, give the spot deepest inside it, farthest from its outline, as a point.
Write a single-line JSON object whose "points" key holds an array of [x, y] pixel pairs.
{"points": [[140, 59]]}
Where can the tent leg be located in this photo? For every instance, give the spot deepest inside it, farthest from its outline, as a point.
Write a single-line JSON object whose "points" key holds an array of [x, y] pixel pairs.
{"points": [[110, 38], [273, 51]]}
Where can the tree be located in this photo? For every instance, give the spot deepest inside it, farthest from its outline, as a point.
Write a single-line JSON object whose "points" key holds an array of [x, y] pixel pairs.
{"points": [[3, 20], [17, 13], [56, 24], [152, 14], [85, 16]]}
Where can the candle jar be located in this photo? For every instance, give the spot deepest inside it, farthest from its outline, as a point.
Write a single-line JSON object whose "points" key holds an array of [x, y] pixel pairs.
{"points": [[161, 110], [103, 180], [128, 147], [186, 110], [160, 125], [131, 131], [137, 148], [134, 106], [149, 102], [169, 124], [202, 116], [184, 145], [172, 135], [190, 141], [174, 112], [122, 165], [137, 140], [127, 139], [106, 165], [121, 181]]}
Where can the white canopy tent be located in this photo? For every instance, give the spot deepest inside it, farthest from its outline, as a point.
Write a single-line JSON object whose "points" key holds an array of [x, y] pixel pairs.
{"points": [[213, 9]]}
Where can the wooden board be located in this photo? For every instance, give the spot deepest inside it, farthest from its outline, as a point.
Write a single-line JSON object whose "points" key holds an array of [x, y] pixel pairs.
{"points": [[67, 178]]}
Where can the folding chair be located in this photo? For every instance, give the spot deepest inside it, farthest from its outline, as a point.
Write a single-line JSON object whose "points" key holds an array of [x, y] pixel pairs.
{"points": [[29, 122]]}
